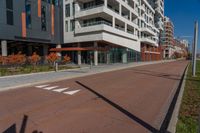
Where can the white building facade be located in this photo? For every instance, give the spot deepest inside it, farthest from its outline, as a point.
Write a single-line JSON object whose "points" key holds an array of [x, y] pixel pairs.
{"points": [[109, 31]]}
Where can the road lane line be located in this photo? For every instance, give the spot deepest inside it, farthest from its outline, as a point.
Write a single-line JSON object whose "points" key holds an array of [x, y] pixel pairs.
{"points": [[61, 89], [50, 88], [71, 92], [41, 86]]}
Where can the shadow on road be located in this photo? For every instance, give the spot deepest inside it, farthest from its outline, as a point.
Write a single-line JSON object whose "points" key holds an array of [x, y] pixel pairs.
{"points": [[156, 74], [12, 128], [166, 121], [125, 112]]}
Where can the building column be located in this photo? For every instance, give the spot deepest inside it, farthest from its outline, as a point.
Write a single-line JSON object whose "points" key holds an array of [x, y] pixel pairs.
{"points": [[106, 2], [113, 21], [120, 9], [30, 50], [125, 27], [95, 54], [124, 56], [59, 46], [107, 57], [77, 7], [4, 48], [79, 56], [45, 52]]}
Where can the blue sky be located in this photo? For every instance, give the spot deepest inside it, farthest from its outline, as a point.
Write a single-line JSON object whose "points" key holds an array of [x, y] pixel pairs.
{"points": [[183, 13]]}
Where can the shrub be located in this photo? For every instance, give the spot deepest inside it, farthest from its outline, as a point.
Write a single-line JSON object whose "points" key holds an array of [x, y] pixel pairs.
{"points": [[52, 57], [16, 59], [66, 59], [34, 59]]}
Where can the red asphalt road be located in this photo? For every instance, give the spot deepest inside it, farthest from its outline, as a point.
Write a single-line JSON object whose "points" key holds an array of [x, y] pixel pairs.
{"points": [[145, 92]]}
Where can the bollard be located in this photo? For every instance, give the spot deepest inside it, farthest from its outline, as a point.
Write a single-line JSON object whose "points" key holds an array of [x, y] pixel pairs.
{"points": [[56, 67]]}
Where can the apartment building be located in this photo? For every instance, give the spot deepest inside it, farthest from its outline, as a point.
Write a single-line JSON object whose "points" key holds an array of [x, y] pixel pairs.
{"points": [[101, 31], [109, 31], [181, 48], [149, 33], [167, 38], [28, 26], [159, 14]]}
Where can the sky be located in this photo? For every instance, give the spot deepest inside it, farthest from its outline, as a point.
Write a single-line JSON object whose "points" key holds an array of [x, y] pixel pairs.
{"points": [[183, 14]]}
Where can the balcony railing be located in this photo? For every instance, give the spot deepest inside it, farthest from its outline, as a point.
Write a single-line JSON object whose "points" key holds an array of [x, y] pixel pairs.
{"points": [[96, 23], [91, 7]]}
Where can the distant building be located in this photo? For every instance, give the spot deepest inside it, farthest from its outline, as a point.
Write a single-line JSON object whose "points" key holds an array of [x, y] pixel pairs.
{"points": [[185, 42], [167, 39], [180, 48]]}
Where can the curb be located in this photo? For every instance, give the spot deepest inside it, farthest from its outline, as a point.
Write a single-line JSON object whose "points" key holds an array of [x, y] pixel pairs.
{"points": [[174, 118]]}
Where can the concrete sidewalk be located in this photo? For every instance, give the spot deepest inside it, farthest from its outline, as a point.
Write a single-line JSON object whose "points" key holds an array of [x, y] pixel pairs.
{"points": [[12, 82]]}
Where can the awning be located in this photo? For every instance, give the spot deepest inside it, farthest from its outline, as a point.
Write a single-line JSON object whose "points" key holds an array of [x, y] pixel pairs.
{"points": [[78, 49]]}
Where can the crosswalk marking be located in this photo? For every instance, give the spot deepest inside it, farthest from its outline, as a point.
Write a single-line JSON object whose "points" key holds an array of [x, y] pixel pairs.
{"points": [[50, 88], [71, 92], [41, 86], [61, 89], [57, 89]]}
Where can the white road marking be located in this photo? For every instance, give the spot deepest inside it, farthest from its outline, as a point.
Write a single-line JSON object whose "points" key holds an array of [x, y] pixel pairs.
{"points": [[50, 88], [60, 90], [71, 92], [41, 86]]}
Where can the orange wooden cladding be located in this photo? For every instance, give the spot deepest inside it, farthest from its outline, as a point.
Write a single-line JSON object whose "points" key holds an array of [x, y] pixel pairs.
{"points": [[39, 8], [52, 21], [23, 24]]}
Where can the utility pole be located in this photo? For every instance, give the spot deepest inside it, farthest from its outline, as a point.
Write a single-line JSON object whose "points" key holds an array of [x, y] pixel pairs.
{"points": [[195, 49]]}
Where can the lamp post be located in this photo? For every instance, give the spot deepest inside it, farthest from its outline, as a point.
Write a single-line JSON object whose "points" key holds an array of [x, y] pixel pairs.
{"points": [[195, 49]]}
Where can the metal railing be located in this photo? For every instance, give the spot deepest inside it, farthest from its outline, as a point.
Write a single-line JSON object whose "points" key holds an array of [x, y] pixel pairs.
{"points": [[91, 7], [96, 23]]}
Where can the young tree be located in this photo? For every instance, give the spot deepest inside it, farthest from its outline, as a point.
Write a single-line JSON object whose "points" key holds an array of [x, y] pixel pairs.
{"points": [[34, 59], [21, 58], [66, 59], [52, 57]]}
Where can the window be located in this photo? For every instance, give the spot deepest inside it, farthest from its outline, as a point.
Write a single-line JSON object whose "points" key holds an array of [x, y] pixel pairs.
{"points": [[73, 8], [28, 14], [66, 26], [9, 4], [9, 15], [9, 12], [67, 10], [43, 19], [72, 25]]}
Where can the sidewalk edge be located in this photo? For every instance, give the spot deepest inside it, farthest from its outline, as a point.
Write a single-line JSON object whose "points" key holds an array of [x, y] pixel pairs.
{"points": [[174, 119]]}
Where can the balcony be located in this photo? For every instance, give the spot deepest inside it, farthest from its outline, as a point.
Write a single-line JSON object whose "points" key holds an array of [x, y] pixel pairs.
{"points": [[97, 23], [148, 40], [92, 10], [147, 31], [103, 26], [142, 8]]}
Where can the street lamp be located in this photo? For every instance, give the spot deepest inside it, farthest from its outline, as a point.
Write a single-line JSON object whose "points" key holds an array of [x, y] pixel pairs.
{"points": [[195, 49]]}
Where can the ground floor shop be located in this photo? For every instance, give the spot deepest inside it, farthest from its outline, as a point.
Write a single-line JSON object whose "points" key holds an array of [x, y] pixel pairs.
{"points": [[84, 53], [150, 53]]}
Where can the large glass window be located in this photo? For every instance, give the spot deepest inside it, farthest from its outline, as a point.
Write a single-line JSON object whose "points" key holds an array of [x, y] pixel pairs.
{"points": [[9, 4], [66, 26], [43, 19], [72, 25], [67, 10], [9, 15], [28, 14], [9, 12]]}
